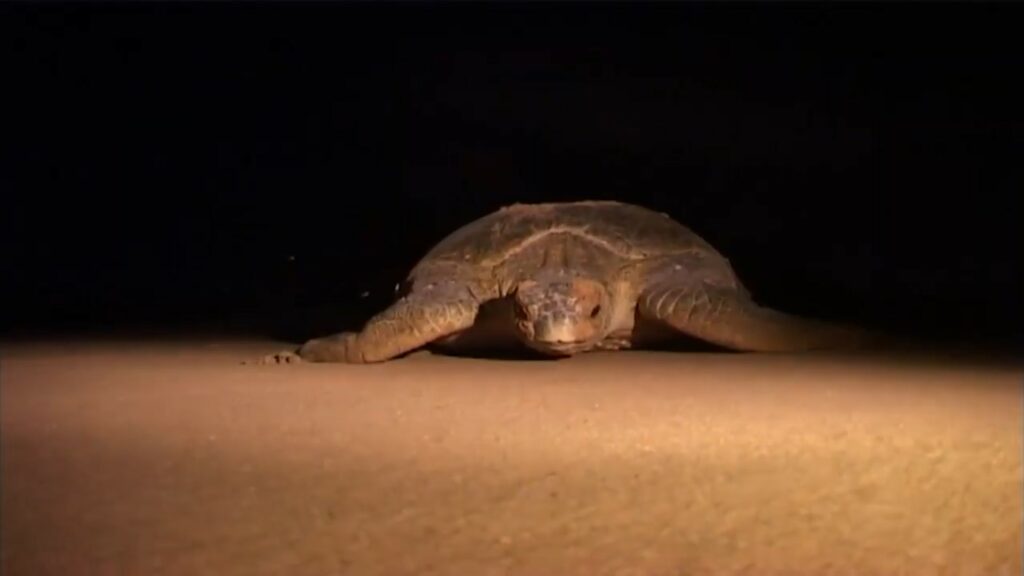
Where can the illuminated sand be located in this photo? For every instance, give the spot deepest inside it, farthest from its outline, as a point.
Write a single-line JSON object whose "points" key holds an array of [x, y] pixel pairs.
{"points": [[172, 458]]}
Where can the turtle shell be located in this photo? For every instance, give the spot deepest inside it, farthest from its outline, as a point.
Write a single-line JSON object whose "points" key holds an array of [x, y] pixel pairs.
{"points": [[629, 231]]}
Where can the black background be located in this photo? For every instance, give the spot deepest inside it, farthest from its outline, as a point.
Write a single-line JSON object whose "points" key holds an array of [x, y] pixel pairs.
{"points": [[267, 165]]}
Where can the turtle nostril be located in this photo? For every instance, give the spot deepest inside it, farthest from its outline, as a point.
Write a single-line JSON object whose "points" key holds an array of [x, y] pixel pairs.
{"points": [[595, 311]]}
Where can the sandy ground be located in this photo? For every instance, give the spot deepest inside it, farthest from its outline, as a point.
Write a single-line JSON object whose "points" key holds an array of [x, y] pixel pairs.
{"points": [[174, 458]]}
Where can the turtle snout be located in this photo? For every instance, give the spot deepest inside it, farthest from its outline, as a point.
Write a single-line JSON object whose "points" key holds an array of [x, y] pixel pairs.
{"points": [[557, 332], [560, 337]]}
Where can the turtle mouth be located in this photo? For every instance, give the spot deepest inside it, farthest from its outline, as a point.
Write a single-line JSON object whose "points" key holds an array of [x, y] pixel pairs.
{"points": [[554, 338], [558, 349]]}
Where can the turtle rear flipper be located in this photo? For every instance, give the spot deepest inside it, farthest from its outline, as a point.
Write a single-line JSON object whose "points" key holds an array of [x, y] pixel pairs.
{"points": [[729, 318]]}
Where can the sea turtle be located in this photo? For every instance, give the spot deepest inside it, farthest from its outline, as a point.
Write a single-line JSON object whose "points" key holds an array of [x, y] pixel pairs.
{"points": [[565, 278]]}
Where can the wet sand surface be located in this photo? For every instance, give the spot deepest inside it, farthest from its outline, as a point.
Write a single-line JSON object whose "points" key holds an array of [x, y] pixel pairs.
{"points": [[172, 457]]}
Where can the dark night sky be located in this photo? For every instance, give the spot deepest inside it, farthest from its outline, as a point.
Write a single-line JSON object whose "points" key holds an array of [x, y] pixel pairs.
{"points": [[163, 162]]}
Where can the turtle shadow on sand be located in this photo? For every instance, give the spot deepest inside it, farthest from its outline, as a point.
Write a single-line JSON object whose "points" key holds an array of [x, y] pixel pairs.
{"points": [[524, 354]]}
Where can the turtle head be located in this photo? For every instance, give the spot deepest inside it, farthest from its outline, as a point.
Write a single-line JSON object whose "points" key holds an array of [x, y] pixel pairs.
{"points": [[561, 315]]}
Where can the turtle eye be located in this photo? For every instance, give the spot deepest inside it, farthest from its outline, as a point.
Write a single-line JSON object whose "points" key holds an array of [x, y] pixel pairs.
{"points": [[595, 311]]}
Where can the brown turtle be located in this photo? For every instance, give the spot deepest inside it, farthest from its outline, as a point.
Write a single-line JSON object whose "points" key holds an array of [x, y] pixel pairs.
{"points": [[564, 278]]}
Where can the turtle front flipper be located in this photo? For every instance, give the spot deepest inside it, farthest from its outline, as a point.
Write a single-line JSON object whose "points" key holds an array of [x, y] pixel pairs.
{"points": [[424, 315], [729, 318]]}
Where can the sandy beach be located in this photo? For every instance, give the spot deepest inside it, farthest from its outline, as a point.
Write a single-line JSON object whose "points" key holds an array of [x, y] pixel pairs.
{"points": [[150, 456]]}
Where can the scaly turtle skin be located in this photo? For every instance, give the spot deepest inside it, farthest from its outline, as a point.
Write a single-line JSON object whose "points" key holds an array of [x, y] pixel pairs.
{"points": [[565, 278]]}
